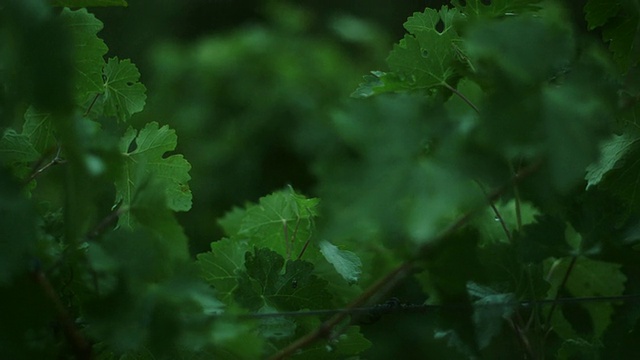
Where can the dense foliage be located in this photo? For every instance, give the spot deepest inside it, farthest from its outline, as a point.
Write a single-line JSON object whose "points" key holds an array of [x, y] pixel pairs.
{"points": [[477, 198]]}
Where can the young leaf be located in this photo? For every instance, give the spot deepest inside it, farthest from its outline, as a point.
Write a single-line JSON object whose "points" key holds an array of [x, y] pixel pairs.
{"points": [[345, 262], [264, 284], [88, 51], [123, 95], [612, 153], [147, 161]]}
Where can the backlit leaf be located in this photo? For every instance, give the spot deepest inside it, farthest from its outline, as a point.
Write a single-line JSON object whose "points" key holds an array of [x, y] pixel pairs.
{"points": [[123, 95]]}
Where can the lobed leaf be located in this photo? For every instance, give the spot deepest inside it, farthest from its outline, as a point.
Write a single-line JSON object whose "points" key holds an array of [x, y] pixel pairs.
{"points": [[123, 95], [147, 161], [346, 263]]}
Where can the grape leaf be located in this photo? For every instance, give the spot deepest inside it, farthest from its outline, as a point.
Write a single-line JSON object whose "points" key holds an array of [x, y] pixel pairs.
{"points": [[490, 310], [612, 154], [231, 222], [620, 22], [123, 95], [89, 3], [146, 162], [16, 148], [346, 263], [423, 59], [222, 265], [281, 221], [89, 50], [264, 284], [588, 278], [598, 12], [39, 129]]}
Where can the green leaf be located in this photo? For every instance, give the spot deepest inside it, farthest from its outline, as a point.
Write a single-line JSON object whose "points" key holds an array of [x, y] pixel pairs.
{"points": [[123, 95], [222, 266], [542, 239], [281, 221], [346, 263], [265, 284], [16, 148], [490, 309], [38, 127], [623, 35], [424, 59], [88, 3], [89, 50], [612, 154], [598, 12], [588, 278], [146, 161], [231, 222]]}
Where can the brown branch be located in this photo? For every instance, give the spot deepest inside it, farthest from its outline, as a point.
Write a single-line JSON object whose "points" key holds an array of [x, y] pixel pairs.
{"points": [[496, 213], [37, 172], [80, 346]]}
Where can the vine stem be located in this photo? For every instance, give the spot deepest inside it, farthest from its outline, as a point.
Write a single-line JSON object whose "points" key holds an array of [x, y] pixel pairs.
{"points": [[55, 161], [497, 214], [389, 281], [560, 288], [461, 96], [81, 347]]}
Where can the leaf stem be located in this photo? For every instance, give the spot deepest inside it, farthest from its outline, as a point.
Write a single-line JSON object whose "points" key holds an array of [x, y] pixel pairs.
{"points": [[461, 96], [560, 288], [37, 172], [93, 102], [496, 212]]}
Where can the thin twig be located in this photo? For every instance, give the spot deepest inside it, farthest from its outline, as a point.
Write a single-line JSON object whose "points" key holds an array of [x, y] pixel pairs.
{"points": [[80, 346], [560, 288], [37, 172], [496, 213]]}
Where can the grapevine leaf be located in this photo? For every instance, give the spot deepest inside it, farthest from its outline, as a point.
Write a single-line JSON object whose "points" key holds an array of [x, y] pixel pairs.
{"points": [[263, 283], [623, 35], [578, 349], [542, 239], [490, 310], [231, 222], [588, 278], [423, 59], [275, 327], [146, 162], [598, 12], [612, 154], [88, 51], [38, 127], [280, 221], [88, 3], [16, 148], [345, 262], [495, 8], [624, 181], [123, 95], [222, 265]]}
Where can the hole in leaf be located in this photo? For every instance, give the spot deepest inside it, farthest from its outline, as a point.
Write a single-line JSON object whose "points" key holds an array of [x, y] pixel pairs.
{"points": [[486, 2], [424, 53], [463, 2], [440, 26], [129, 83]]}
